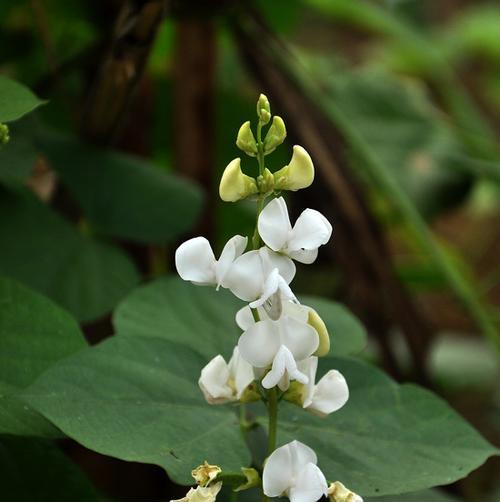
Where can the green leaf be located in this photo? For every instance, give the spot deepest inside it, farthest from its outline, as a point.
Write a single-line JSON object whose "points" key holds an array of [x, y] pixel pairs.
{"points": [[137, 399], [422, 496], [204, 319], [125, 196], [16, 100], [43, 251], [388, 439], [35, 470], [347, 334], [34, 334]]}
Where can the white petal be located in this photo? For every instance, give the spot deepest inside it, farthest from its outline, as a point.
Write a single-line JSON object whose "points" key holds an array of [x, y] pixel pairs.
{"points": [[309, 367], [270, 287], [296, 310], [245, 277], [310, 231], [213, 381], [272, 260], [195, 261], [301, 338], [260, 343], [244, 318], [241, 372], [301, 455], [232, 250], [330, 394], [310, 485], [277, 476], [306, 256], [283, 370], [274, 224]]}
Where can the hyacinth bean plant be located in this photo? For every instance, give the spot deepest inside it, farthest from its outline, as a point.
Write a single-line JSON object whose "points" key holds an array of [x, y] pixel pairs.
{"points": [[276, 356]]}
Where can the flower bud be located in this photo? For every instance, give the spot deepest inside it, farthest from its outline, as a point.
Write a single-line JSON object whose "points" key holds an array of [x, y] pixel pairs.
{"points": [[205, 473], [235, 185], [4, 134], [253, 479], [337, 492], [201, 494], [275, 136], [317, 323], [246, 140], [263, 109], [295, 393], [250, 394], [265, 182], [296, 175]]}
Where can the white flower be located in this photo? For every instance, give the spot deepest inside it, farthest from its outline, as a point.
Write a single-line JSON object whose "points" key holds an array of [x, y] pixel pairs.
{"points": [[195, 260], [201, 494], [257, 275], [328, 395], [301, 242], [221, 382], [281, 343], [337, 492], [278, 306], [291, 470]]}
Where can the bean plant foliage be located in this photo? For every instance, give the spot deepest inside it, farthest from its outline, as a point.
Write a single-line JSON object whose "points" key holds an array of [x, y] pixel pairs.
{"points": [[180, 382]]}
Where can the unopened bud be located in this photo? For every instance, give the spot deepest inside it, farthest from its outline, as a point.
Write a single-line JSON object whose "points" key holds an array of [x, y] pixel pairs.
{"points": [[250, 394], [317, 323], [265, 181], [205, 473], [253, 479], [295, 393], [263, 109], [235, 185], [4, 134], [275, 136], [296, 175], [337, 492], [246, 140]]}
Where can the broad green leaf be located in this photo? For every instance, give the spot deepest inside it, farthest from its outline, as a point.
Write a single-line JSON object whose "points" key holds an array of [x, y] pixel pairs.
{"points": [[388, 439], [122, 195], [137, 399], [35, 470], [204, 319], [43, 251], [34, 334], [16, 100], [422, 496], [347, 334]]}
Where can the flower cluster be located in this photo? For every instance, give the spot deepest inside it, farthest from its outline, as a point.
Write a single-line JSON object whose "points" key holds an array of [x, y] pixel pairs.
{"points": [[281, 338]]}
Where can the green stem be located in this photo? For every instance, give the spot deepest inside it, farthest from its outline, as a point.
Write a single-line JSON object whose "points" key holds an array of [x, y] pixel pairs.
{"points": [[272, 409]]}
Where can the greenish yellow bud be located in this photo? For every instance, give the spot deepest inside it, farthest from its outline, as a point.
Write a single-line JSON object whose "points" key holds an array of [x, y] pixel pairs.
{"points": [[296, 175], [205, 473], [295, 393], [265, 181], [317, 323], [250, 394], [246, 140], [275, 136], [4, 134], [235, 185], [263, 109], [253, 479], [337, 492]]}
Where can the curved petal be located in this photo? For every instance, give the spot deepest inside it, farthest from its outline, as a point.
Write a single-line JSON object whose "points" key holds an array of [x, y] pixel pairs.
{"points": [[278, 369], [269, 288], [296, 310], [274, 224], [213, 381], [309, 367], [310, 485], [277, 475], [195, 261], [241, 372], [244, 318], [260, 343], [272, 260], [233, 249], [330, 394], [299, 337], [306, 256], [245, 277], [310, 231], [301, 455]]}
